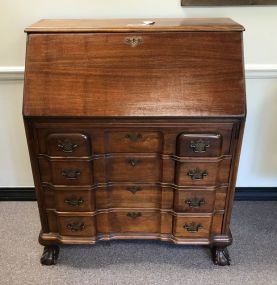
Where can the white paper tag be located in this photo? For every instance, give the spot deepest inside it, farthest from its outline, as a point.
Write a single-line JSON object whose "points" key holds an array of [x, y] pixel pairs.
{"points": [[144, 23]]}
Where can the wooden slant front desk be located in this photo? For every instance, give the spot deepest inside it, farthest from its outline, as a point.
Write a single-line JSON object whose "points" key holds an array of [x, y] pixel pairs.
{"points": [[134, 130]]}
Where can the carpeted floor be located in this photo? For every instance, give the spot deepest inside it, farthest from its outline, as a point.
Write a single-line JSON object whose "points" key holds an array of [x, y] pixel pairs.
{"points": [[253, 253]]}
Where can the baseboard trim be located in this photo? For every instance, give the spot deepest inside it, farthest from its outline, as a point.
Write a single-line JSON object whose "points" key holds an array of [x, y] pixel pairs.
{"points": [[242, 194], [17, 194], [256, 194]]}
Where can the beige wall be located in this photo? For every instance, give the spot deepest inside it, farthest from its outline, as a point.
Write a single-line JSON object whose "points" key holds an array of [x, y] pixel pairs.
{"points": [[259, 158]]}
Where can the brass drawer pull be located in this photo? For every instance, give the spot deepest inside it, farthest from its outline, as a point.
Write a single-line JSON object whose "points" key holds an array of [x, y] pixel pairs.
{"points": [[133, 137], [76, 227], [67, 145], [195, 202], [133, 41], [134, 189], [193, 227], [199, 146], [134, 215], [133, 162], [74, 201], [197, 174], [71, 174]]}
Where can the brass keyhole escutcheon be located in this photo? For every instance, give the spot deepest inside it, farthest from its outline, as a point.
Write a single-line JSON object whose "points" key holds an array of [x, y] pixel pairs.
{"points": [[134, 189], [134, 137], [133, 162], [133, 215], [133, 41]]}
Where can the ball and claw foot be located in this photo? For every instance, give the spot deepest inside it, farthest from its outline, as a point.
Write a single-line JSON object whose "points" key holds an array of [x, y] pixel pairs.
{"points": [[50, 255], [220, 256]]}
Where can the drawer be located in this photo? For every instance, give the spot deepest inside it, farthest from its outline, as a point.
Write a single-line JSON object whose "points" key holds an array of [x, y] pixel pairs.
{"points": [[69, 200], [202, 173], [204, 145], [194, 201], [61, 172], [134, 141], [131, 221], [83, 226], [192, 227], [134, 169], [134, 196], [67, 144]]}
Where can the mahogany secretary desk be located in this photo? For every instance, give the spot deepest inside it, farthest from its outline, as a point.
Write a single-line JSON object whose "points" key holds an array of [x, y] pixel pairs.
{"points": [[134, 130]]}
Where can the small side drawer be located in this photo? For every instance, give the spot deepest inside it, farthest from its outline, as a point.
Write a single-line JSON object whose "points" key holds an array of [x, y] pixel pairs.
{"points": [[200, 173], [134, 141], [68, 200], [195, 201], [83, 226], [68, 144], [204, 145], [192, 227], [74, 201], [67, 173]]}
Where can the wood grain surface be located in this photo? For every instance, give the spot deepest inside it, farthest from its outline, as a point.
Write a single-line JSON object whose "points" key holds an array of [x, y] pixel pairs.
{"points": [[169, 75]]}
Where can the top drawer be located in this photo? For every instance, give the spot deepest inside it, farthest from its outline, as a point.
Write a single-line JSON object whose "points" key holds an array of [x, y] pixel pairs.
{"points": [[68, 144], [134, 141], [199, 145]]}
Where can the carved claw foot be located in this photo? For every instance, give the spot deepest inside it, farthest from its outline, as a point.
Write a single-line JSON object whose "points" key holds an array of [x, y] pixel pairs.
{"points": [[50, 255], [220, 256]]}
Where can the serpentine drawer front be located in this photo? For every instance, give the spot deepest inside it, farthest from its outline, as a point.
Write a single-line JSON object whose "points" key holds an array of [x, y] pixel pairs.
{"points": [[134, 131]]}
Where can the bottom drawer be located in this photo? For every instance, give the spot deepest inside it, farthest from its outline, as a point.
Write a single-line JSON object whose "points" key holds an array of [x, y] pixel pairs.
{"points": [[76, 226], [134, 221], [192, 227]]}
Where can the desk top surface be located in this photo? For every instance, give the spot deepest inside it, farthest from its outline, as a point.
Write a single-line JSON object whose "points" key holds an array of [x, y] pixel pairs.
{"points": [[129, 25]]}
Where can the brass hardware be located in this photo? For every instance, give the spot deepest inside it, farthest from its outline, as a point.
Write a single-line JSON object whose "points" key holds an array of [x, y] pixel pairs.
{"points": [[71, 174], [193, 227], [133, 161], [133, 137], [134, 189], [197, 174], [133, 215], [67, 145], [76, 227], [74, 201], [195, 202], [199, 146], [133, 41]]}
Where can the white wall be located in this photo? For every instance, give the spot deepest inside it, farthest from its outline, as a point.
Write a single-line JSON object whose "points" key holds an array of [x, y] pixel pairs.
{"points": [[258, 165]]}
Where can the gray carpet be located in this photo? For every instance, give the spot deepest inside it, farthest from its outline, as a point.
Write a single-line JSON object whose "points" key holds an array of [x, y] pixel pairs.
{"points": [[254, 254]]}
